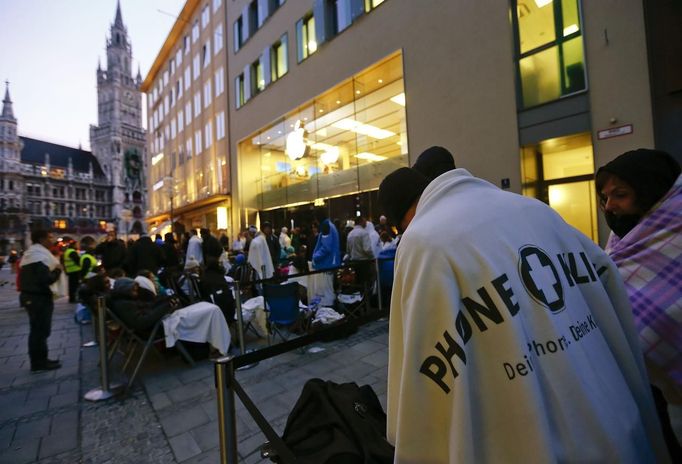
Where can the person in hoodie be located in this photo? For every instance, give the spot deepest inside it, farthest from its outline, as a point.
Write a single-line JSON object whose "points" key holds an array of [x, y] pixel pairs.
{"points": [[327, 253], [136, 304], [38, 270], [511, 335], [640, 193], [144, 254]]}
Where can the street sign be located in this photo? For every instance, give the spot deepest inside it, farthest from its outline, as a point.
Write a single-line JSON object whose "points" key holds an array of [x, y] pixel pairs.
{"points": [[614, 132]]}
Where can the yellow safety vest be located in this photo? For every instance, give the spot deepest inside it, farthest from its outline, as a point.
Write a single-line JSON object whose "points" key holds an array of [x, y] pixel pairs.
{"points": [[70, 265], [88, 257]]}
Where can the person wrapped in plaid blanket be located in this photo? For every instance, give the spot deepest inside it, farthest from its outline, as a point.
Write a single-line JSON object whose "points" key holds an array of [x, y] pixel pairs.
{"points": [[641, 197]]}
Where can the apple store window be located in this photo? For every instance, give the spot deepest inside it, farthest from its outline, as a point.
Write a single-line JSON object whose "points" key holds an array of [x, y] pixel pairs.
{"points": [[342, 142]]}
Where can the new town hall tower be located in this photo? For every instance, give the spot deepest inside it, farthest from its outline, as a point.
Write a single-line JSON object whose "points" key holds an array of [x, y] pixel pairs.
{"points": [[118, 139]]}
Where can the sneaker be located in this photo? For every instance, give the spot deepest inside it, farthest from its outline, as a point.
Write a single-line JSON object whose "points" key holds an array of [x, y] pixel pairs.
{"points": [[49, 365]]}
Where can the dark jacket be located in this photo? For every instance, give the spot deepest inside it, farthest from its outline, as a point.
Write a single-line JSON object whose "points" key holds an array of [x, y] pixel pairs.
{"points": [[170, 255], [36, 279], [137, 314], [274, 247], [216, 290], [211, 247], [144, 254], [113, 254]]}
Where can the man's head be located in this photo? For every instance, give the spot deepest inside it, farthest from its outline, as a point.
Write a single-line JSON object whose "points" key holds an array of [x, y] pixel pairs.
{"points": [[434, 161], [284, 230], [111, 235], [252, 231], [169, 238], [630, 185], [205, 233], [88, 243], [399, 193], [361, 221], [193, 231], [73, 244], [266, 228], [42, 237]]}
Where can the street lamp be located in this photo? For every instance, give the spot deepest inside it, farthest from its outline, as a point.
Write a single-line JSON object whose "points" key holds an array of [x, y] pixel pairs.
{"points": [[168, 181]]}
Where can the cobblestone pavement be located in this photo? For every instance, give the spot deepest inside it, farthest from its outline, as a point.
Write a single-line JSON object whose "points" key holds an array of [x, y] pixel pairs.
{"points": [[171, 416]]}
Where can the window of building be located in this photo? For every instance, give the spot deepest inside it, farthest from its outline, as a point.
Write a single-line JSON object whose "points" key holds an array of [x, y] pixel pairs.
{"points": [[185, 44], [197, 104], [205, 17], [178, 57], [181, 122], [59, 223], [207, 94], [278, 58], [549, 47], [208, 134], [216, 5], [171, 95], [306, 43], [196, 66], [218, 39], [560, 172], [178, 87], [166, 104], [252, 19], [206, 53], [188, 112], [220, 125], [340, 15], [165, 78], [257, 77], [172, 129], [238, 32], [219, 81], [188, 146], [197, 141], [188, 77], [171, 65], [195, 31], [239, 91]]}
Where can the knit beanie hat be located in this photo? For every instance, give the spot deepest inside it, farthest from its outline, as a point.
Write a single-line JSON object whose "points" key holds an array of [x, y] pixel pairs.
{"points": [[434, 161], [651, 173], [399, 190]]}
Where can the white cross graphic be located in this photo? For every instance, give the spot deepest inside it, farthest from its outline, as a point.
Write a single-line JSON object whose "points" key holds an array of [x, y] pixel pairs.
{"points": [[541, 275]]}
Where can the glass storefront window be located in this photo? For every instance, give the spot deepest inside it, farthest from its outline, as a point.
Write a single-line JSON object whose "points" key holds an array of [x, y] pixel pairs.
{"points": [[560, 172], [344, 141], [540, 77]]}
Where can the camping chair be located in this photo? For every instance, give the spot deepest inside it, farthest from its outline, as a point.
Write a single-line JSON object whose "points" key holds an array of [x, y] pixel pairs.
{"points": [[145, 340], [281, 304], [355, 279]]}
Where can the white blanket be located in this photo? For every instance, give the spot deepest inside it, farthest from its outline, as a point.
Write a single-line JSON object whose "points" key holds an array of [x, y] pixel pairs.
{"points": [[511, 338], [201, 322]]}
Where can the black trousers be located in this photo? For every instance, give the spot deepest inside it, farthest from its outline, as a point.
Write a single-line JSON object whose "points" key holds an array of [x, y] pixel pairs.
{"points": [[39, 309], [74, 280]]}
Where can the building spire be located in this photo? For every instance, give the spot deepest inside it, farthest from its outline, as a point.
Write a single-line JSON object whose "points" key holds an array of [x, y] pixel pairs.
{"points": [[7, 112], [119, 19]]}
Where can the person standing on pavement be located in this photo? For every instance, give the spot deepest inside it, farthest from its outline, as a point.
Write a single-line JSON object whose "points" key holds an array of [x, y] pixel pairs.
{"points": [[194, 253], [144, 254], [273, 243], [88, 261], [511, 335], [210, 245], [640, 194], [39, 269], [72, 267], [360, 250], [259, 254], [112, 251]]}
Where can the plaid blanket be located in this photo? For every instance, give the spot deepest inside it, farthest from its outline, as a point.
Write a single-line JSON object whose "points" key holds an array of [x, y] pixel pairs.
{"points": [[649, 258]]}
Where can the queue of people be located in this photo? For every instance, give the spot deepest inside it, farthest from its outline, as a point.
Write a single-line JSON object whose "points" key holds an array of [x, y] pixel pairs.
{"points": [[513, 336]]}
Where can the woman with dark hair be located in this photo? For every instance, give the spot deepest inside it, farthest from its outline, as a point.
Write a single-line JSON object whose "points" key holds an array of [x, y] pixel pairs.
{"points": [[641, 196]]}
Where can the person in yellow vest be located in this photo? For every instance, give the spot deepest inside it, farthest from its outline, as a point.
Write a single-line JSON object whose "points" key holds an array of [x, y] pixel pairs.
{"points": [[88, 261], [72, 266]]}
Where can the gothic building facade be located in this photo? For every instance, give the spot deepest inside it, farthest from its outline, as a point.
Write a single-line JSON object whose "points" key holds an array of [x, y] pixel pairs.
{"points": [[118, 139], [48, 186], [70, 191]]}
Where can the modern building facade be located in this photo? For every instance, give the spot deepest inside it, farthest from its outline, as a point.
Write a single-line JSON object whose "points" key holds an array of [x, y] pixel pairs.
{"points": [[187, 119], [118, 141], [325, 97], [49, 186]]}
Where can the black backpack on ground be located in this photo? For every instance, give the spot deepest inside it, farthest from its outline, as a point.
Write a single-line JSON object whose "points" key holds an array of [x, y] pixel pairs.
{"points": [[338, 424]]}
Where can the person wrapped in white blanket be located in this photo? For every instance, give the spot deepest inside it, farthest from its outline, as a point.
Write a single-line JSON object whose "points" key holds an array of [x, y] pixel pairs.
{"points": [[511, 336]]}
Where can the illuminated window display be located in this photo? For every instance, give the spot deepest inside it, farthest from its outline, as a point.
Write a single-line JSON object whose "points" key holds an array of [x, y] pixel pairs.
{"points": [[343, 142]]}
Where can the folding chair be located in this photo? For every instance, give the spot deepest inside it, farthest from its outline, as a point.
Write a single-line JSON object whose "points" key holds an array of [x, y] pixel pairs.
{"points": [[143, 339], [281, 304]]}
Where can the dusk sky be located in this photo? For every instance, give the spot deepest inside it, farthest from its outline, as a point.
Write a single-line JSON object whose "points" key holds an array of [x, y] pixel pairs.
{"points": [[49, 51]]}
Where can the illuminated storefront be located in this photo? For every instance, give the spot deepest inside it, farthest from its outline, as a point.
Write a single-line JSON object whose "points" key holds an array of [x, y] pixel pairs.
{"points": [[342, 143]]}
